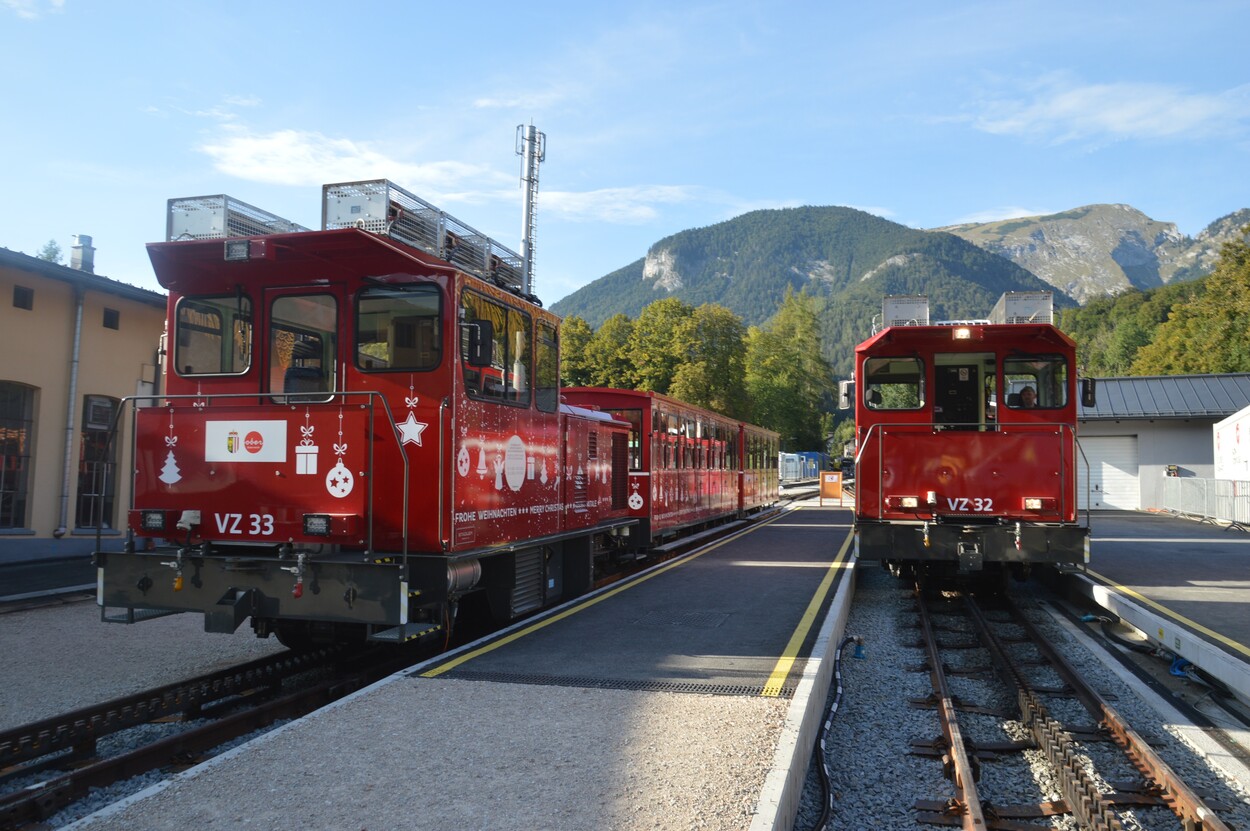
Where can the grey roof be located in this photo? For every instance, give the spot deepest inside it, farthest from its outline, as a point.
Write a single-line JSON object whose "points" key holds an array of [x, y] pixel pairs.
{"points": [[1170, 396], [84, 279]]}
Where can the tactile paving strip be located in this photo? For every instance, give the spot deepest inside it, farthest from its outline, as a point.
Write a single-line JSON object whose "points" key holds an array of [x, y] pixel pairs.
{"points": [[615, 684]]}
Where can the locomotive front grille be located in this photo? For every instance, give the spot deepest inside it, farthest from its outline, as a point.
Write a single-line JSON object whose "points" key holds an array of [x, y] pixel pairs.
{"points": [[967, 519]]}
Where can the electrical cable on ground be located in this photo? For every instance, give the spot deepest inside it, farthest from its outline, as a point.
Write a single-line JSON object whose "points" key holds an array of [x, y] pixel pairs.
{"points": [[826, 792]]}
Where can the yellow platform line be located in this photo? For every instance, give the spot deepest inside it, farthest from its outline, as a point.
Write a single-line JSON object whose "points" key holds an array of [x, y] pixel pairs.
{"points": [[781, 671], [1230, 643], [545, 622]]}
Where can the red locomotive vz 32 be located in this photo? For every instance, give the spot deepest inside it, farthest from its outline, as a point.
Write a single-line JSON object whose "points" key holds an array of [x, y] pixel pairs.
{"points": [[967, 457]]}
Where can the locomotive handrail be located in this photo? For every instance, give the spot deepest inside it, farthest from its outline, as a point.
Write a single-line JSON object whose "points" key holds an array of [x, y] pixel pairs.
{"points": [[201, 400], [1001, 428], [1085, 459]]}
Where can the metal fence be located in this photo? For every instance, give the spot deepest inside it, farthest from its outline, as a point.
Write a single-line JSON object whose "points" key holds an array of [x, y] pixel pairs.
{"points": [[1213, 500]]}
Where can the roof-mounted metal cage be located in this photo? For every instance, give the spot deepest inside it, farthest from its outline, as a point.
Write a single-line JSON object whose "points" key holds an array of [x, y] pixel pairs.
{"points": [[382, 207], [1024, 307], [221, 217], [1012, 307]]}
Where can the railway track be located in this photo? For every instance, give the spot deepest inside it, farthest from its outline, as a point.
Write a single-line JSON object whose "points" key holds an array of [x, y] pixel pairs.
{"points": [[1087, 760], [48, 765]]}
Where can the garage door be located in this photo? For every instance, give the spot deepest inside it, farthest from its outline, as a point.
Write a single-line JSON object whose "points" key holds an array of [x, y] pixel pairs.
{"points": [[1112, 476]]}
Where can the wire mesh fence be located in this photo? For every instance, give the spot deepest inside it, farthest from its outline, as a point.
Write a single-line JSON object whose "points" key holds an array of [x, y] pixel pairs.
{"points": [[1214, 500]]}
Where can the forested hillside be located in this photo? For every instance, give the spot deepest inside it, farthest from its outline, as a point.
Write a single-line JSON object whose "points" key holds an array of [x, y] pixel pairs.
{"points": [[844, 259], [1185, 328], [775, 373]]}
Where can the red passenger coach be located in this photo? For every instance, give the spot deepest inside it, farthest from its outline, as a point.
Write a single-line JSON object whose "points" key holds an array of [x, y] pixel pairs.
{"points": [[966, 440], [360, 427], [688, 467]]}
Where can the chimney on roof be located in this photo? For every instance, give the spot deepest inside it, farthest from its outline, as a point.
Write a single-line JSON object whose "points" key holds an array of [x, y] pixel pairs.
{"points": [[82, 255]]}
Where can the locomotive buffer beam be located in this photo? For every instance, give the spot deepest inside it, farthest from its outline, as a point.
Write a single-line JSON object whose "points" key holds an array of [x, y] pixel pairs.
{"points": [[234, 607]]}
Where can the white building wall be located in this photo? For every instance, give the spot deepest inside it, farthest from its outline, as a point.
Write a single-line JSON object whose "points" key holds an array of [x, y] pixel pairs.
{"points": [[1232, 447], [1185, 443]]}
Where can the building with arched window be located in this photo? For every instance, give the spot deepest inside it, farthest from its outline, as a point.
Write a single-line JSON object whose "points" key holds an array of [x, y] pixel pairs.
{"points": [[72, 345]]}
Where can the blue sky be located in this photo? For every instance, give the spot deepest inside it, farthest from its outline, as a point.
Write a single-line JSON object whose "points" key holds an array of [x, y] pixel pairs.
{"points": [[659, 116]]}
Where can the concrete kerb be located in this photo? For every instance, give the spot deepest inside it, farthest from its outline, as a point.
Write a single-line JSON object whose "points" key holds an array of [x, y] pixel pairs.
{"points": [[1231, 670], [783, 787]]}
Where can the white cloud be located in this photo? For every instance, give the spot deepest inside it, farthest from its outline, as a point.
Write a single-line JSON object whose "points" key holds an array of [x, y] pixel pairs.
{"points": [[1059, 110], [627, 206], [293, 157], [529, 102], [33, 9]]}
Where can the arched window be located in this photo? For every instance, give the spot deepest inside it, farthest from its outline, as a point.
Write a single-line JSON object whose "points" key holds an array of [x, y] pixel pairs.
{"points": [[17, 426]]}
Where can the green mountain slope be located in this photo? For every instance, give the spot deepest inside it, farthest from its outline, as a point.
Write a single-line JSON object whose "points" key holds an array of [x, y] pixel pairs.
{"points": [[847, 258]]}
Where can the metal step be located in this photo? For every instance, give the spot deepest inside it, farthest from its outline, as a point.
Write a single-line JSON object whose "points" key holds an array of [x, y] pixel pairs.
{"points": [[404, 632]]}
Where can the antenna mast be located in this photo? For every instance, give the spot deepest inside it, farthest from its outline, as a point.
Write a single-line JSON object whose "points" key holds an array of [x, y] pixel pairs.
{"points": [[532, 146]]}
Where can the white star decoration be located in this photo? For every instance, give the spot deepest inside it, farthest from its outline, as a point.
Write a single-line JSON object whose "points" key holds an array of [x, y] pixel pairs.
{"points": [[411, 430]]}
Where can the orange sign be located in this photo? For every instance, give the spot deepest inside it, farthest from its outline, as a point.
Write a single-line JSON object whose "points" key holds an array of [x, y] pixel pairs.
{"points": [[831, 486]]}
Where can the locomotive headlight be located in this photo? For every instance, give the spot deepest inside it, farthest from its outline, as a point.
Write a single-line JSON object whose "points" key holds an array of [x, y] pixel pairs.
{"points": [[909, 502], [237, 249], [1039, 503], [317, 525], [963, 333], [152, 520]]}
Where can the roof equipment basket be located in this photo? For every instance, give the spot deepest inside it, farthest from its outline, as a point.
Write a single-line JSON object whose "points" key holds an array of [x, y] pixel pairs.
{"points": [[220, 217], [383, 207]]}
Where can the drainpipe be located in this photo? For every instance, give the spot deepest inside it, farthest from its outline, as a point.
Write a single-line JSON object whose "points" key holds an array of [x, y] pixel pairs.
{"points": [[71, 400]]}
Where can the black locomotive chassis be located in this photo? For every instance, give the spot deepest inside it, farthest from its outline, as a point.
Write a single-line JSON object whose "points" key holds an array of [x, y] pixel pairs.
{"points": [[997, 543], [230, 589]]}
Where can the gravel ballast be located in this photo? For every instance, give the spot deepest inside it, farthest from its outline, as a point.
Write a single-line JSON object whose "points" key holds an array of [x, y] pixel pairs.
{"points": [[875, 782], [63, 657]]}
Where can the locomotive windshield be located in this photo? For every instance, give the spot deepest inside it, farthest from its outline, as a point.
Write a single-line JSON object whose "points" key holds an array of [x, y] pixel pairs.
{"points": [[1036, 381], [398, 329], [213, 335], [893, 383]]}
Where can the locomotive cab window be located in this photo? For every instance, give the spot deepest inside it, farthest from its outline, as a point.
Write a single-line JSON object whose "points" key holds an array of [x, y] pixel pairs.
{"points": [[893, 383], [213, 335], [506, 378], [547, 375], [398, 329], [1035, 381], [303, 346]]}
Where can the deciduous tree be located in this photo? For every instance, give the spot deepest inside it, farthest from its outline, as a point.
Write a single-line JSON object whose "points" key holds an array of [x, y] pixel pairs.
{"points": [[575, 336], [1211, 331], [786, 377], [609, 361], [712, 373], [662, 341]]}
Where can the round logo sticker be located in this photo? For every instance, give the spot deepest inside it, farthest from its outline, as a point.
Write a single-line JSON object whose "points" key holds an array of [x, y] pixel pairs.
{"points": [[253, 442]]}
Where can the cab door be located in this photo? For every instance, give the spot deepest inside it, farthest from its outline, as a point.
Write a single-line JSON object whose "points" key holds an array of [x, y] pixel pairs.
{"points": [[956, 399]]}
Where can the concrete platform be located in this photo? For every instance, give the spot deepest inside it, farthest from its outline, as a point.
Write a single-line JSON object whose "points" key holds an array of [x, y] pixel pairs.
{"points": [[1183, 583], [687, 697]]}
